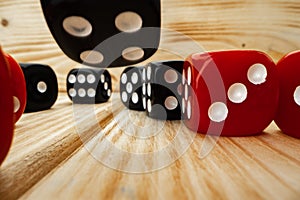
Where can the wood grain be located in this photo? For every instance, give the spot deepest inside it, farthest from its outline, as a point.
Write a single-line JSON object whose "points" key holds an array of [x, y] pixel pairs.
{"points": [[61, 154]]}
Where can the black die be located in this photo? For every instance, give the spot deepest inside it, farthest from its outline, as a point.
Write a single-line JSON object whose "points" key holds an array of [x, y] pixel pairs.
{"points": [[84, 30], [163, 89], [132, 82], [89, 86], [41, 86]]}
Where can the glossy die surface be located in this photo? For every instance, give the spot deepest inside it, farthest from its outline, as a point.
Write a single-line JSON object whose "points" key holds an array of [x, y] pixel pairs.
{"points": [[6, 107], [288, 114], [83, 30], [89, 86], [41, 86], [132, 82], [230, 93], [162, 89], [19, 87]]}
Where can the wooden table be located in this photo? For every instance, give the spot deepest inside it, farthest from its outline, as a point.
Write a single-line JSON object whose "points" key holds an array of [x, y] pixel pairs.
{"points": [[68, 152]]}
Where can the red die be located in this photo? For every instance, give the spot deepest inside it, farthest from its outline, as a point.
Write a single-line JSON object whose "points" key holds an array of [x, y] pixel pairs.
{"points": [[6, 108], [288, 114], [19, 87], [229, 93]]}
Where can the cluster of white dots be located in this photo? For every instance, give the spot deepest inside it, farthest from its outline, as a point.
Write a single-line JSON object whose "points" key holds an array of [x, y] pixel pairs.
{"points": [[129, 82], [186, 105], [237, 92], [170, 77], [91, 79], [127, 21]]}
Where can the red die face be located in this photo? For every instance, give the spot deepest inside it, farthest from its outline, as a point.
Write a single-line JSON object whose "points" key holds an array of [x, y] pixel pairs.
{"points": [[230, 93], [288, 114], [6, 108], [19, 87]]}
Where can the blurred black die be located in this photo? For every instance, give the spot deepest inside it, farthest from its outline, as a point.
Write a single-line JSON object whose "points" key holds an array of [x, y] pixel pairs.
{"points": [[84, 30], [89, 86], [132, 83], [41, 86], [163, 89]]}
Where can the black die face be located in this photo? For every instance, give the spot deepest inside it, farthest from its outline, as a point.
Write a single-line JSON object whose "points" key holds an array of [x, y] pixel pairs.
{"points": [[84, 30], [41, 86], [89, 86], [131, 83], [163, 90]]}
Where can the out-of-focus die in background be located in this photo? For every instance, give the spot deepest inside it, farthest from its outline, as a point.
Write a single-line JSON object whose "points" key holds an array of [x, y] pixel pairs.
{"points": [[89, 86], [41, 85]]}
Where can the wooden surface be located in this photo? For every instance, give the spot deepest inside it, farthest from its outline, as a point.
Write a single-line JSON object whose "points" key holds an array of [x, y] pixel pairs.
{"points": [[50, 160]]}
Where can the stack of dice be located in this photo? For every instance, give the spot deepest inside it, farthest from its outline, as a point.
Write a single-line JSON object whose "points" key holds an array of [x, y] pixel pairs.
{"points": [[225, 93], [155, 89]]}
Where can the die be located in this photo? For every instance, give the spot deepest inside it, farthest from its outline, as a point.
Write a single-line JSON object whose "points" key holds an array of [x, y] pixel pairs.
{"points": [[6, 107], [41, 86], [19, 87], [288, 113], [230, 93], [89, 86], [131, 84], [111, 34], [162, 89]]}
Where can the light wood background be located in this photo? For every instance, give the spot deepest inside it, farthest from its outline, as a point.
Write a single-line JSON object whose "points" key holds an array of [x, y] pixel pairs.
{"points": [[49, 161]]}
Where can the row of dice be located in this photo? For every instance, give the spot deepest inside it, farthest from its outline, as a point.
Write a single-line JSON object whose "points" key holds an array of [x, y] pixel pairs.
{"points": [[32, 87], [35, 86], [166, 90], [228, 93], [25, 87]]}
